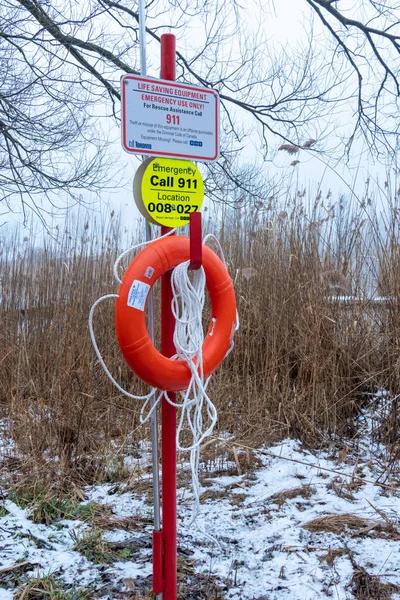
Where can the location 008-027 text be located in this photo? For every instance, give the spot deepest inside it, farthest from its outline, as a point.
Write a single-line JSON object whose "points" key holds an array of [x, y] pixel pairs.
{"points": [[168, 208], [167, 119]]}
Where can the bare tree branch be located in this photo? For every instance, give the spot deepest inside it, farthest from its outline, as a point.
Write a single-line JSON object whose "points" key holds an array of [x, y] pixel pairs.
{"points": [[61, 62]]}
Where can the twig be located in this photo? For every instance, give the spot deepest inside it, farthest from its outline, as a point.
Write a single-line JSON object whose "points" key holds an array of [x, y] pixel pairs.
{"points": [[17, 565], [235, 454], [382, 515], [26, 590]]}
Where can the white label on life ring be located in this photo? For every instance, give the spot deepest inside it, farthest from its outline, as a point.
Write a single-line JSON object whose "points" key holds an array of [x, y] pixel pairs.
{"points": [[138, 294], [149, 272]]}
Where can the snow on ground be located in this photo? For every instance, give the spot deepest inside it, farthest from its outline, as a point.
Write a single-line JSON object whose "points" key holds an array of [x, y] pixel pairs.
{"points": [[260, 549], [264, 548]]}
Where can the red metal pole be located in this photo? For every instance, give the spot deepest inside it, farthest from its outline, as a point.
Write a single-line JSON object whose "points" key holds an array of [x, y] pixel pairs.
{"points": [[168, 420]]}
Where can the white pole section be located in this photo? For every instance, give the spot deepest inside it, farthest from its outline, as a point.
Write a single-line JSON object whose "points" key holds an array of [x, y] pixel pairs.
{"points": [[142, 38], [150, 306]]}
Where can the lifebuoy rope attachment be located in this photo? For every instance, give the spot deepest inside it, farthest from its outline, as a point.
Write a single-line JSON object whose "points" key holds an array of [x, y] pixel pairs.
{"points": [[187, 307]]}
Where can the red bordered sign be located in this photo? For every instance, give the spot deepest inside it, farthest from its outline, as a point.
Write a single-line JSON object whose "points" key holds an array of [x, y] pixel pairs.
{"points": [[165, 118]]}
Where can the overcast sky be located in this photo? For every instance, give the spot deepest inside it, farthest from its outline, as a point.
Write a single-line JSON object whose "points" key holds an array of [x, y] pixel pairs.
{"points": [[286, 24]]}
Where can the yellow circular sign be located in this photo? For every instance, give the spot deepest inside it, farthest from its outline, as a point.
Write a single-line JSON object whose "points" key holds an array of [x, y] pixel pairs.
{"points": [[167, 190]]}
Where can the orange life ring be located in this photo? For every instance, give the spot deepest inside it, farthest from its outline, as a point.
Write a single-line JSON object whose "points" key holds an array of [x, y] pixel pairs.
{"points": [[130, 317]]}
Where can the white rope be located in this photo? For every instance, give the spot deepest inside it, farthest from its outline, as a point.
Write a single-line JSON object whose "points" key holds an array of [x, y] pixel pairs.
{"points": [[211, 236], [100, 358], [135, 247], [197, 409]]}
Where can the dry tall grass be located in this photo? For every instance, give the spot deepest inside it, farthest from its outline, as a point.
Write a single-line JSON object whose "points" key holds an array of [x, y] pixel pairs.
{"points": [[303, 364]]}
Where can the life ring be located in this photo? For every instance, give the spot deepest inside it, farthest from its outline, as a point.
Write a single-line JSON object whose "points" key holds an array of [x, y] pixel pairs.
{"points": [[130, 316]]}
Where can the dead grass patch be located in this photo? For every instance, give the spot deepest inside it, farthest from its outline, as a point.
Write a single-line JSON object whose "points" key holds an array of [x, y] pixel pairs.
{"points": [[369, 587], [332, 554], [140, 487], [303, 491], [49, 588], [212, 494], [337, 524], [237, 499], [92, 545], [223, 494], [341, 489], [198, 586], [104, 522]]}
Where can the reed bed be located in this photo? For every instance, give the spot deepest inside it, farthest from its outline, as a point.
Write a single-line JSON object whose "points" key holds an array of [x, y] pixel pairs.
{"points": [[304, 363]]}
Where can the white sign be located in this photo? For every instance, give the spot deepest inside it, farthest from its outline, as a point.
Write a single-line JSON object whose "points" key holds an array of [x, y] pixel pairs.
{"points": [[164, 118]]}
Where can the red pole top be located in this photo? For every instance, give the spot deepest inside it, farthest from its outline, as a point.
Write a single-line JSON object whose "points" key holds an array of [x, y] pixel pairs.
{"points": [[196, 243], [168, 56]]}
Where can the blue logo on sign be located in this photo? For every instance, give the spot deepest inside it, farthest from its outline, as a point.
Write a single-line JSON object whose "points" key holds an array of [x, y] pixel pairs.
{"points": [[195, 143]]}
